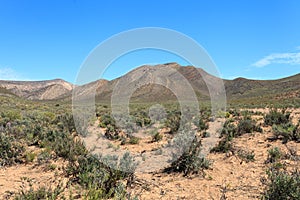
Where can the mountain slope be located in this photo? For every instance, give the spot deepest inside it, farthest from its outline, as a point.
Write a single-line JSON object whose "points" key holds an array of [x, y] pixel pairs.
{"points": [[246, 88], [202, 83], [160, 83], [37, 90], [156, 83]]}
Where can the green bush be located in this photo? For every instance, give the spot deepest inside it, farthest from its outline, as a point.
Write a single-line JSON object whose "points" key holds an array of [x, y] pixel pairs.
{"points": [[68, 122], [134, 140], [106, 120], [173, 121], [282, 185], [142, 119], [63, 144], [30, 156], [276, 117], [287, 132], [247, 125], [190, 162], [95, 174], [44, 156], [224, 146], [200, 124], [274, 154], [10, 150], [228, 132], [246, 156], [112, 133], [157, 137]]}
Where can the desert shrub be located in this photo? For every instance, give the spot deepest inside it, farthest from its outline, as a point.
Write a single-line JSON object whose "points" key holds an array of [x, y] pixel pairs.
{"points": [[63, 144], [11, 115], [44, 156], [95, 174], [68, 148], [287, 132], [228, 132], [40, 193], [66, 122], [206, 134], [141, 118], [134, 140], [190, 161], [10, 150], [30, 156], [106, 120], [234, 112], [247, 125], [173, 121], [200, 124], [111, 132], [276, 117], [223, 146], [97, 193], [157, 137], [274, 154], [247, 156], [282, 185], [123, 140]]}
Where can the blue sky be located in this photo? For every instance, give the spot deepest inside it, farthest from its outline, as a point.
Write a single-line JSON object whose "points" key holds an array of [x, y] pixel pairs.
{"points": [[51, 38]]}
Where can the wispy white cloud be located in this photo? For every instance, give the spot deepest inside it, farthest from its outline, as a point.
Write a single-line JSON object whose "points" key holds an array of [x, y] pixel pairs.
{"points": [[279, 58], [7, 73]]}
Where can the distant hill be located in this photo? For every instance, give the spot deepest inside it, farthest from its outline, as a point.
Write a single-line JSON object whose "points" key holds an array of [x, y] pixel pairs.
{"points": [[246, 88], [198, 79], [37, 90]]}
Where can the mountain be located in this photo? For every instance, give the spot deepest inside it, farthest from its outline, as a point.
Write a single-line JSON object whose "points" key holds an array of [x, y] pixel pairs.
{"points": [[36, 90], [202, 83], [246, 88], [147, 83]]}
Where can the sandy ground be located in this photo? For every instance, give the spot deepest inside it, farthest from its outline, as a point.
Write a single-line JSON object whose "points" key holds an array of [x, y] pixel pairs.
{"points": [[16, 177]]}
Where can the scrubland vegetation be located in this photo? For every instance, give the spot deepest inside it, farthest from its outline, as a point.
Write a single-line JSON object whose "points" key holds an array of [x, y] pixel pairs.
{"points": [[43, 133]]}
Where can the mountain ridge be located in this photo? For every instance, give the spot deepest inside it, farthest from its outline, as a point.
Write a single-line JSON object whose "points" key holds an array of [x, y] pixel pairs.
{"points": [[198, 78]]}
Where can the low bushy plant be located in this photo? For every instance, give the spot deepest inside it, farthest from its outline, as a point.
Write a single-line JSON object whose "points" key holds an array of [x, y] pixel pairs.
{"points": [[40, 193], [96, 175], [247, 125], [200, 124], [134, 140], [287, 132], [173, 121], [10, 150], [191, 161], [282, 185], [276, 117], [157, 137], [247, 156], [274, 154]]}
